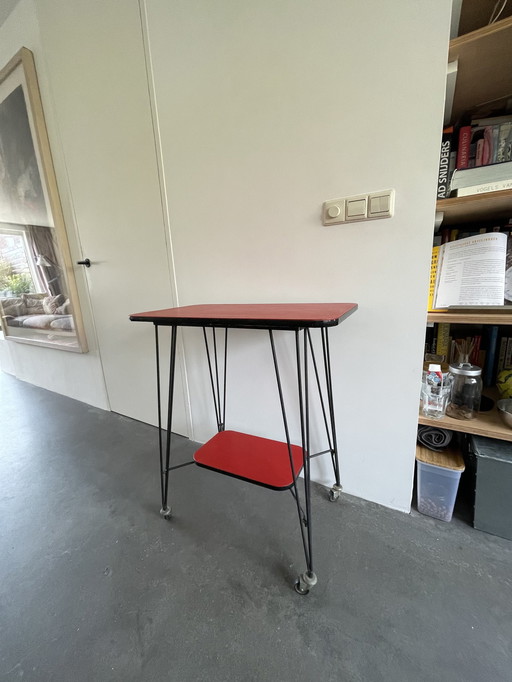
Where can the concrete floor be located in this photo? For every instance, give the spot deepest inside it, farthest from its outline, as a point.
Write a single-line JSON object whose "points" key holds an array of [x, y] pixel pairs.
{"points": [[95, 586]]}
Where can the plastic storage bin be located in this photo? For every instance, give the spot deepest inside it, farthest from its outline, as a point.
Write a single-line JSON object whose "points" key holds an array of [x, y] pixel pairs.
{"points": [[493, 489], [438, 477]]}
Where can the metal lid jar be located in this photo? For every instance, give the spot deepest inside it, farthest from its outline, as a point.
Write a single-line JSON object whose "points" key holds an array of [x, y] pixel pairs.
{"points": [[466, 391]]}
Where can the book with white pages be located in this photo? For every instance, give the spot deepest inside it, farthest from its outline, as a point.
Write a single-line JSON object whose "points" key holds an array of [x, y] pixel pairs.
{"points": [[484, 188], [471, 271], [479, 175]]}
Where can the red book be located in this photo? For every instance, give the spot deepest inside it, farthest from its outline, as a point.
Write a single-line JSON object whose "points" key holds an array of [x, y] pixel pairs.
{"points": [[463, 148]]}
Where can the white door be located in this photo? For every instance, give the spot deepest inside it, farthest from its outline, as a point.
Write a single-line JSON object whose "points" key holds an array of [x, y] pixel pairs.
{"points": [[108, 138]]}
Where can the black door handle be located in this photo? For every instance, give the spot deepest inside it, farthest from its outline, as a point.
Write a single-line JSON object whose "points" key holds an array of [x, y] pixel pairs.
{"points": [[85, 262]]}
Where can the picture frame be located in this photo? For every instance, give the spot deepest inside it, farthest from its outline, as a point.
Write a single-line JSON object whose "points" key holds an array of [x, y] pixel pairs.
{"points": [[39, 302]]}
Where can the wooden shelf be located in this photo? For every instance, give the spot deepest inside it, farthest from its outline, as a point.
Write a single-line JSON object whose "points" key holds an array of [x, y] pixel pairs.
{"points": [[487, 424], [477, 207], [483, 73], [471, 317]]}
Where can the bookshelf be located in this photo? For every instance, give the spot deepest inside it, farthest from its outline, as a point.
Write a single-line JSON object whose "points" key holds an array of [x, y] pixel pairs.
{"points": [[471, 317], [484, 58], [483, 72], [484, 75], [476, 207]]}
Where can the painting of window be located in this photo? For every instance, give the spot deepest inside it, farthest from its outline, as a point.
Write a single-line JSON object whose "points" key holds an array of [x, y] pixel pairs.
{"points": [[38, 296]]}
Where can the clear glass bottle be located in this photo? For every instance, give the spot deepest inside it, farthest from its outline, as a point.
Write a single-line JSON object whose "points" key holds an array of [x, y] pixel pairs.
{"points": [[466, 391], [435, 392]]}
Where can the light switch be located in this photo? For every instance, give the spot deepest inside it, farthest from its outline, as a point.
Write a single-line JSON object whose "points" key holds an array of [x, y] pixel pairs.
{"points": [[355, 208], [359, 207], [380, 204], [333, 212]]}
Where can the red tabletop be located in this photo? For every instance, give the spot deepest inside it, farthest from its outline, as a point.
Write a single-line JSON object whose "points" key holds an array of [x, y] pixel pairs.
{"points": [[252, 315]]}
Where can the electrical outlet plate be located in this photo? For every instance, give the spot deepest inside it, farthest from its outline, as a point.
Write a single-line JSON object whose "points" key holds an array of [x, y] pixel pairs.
{"points": [[372, 206]]}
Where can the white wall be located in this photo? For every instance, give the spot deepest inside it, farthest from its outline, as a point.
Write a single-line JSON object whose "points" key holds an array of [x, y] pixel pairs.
{"points": [[266, 110]]}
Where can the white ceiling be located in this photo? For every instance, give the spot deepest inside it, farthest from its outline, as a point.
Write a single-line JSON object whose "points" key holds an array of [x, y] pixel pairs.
{"points": [[6, 7]]}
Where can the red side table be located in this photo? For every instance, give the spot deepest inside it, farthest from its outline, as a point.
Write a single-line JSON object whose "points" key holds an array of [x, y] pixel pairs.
{"points": [[262, 461]]}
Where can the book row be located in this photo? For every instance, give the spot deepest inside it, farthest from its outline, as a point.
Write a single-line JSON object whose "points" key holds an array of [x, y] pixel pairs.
{"points": [[476, 157], [486, 346]]}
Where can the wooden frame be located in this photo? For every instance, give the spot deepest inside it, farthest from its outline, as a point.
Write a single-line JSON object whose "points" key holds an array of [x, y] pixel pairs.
{"points": [[49, 315]]}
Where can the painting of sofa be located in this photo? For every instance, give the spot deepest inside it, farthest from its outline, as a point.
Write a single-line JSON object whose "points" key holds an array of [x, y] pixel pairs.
{"points": [[34, 305], [38, 316]]}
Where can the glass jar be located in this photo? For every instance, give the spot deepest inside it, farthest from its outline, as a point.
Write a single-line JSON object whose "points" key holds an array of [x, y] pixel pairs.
{"points": [[466, 391]]}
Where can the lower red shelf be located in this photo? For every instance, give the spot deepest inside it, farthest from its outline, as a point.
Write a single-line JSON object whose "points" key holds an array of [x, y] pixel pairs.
{"points": [[251, 458]]}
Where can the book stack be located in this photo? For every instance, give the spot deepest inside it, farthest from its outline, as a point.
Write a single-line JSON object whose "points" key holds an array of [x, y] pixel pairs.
{"points": [[476, 158]]}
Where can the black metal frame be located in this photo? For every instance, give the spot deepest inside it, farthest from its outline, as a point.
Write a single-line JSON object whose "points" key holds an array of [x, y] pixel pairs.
{"points": [[218, 379]]}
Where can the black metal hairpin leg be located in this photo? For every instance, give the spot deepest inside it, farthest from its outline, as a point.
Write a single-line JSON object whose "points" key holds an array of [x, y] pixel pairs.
{"points": [[329, 420], [219, 395], [165, 510], [308, 579], [336, 489]]}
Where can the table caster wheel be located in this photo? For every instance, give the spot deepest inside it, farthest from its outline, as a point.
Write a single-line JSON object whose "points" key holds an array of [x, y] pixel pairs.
{"points": [[166, 513], [305, 582], [334, 493], [298, 587]]}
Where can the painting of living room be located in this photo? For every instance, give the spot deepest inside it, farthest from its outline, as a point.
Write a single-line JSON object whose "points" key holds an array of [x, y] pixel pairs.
{"points": [[38, 298]]}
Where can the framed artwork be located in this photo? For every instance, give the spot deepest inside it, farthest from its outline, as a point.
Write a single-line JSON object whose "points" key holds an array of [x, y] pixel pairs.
{"points": [[38, 295]]}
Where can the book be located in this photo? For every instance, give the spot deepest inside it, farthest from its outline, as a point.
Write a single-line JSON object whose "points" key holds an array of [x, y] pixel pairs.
{"points": [[502, 350], [447, 162], [484, 188], [443, 340], [508, 269], [476, 350], [504, 151], [490, 152], [479, 158], [463, 147], [433, 278], [471, 271], [468, 177], [508, 354], [489, 368], [476, 142]]}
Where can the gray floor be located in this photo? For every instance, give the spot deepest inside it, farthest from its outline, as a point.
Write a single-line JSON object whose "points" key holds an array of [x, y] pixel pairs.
{"points": [[95, 586]]}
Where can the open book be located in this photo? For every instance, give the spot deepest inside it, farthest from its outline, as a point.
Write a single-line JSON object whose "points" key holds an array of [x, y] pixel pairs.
{"points": [[472, 272]]}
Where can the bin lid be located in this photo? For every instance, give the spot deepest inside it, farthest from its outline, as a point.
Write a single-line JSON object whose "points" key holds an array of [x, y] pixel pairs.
{"points": [[448, 459], [492, 448]]}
